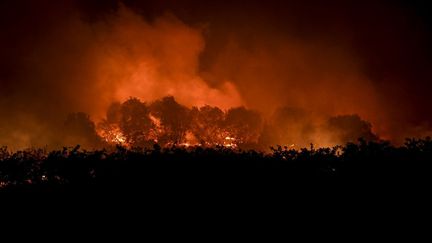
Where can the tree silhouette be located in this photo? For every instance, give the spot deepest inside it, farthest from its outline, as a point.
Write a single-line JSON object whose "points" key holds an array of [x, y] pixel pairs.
{"points": [[135, 123], [175, 119], [349, 128], [207, 125], [79, 129], [244, 125]]}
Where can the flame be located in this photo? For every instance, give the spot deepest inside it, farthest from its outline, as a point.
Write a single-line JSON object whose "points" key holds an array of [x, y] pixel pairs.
{"points": [[230, 142], [112, 135]]}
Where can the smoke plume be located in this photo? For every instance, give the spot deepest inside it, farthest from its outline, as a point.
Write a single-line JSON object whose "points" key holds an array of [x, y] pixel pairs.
{"points": [[58, 66]]}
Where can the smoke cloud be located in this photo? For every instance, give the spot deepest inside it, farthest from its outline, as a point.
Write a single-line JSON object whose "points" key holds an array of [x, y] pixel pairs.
{"points": [[81, 66], [61, 62]]}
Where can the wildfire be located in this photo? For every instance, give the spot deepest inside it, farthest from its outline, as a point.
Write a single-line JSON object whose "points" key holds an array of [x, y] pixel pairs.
{"points": [[112, 135], [191, 141], [119, 138], [166, 122], [230, 142], [156, 121], [138, 124]]}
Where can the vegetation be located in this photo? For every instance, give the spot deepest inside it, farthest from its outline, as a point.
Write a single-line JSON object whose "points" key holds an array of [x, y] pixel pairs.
{"points": [[73, 168], [138, 124]]}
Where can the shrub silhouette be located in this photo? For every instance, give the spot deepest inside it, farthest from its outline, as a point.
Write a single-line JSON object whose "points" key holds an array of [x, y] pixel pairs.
{"points": [[77, 168]]}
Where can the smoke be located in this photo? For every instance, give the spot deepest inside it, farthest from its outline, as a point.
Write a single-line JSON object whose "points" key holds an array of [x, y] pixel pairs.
{"points": [[152, 60], [76, 65], [61, 63], [310, 76]]}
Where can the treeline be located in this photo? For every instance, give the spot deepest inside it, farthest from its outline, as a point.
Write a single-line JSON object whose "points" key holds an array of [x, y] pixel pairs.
{"points": [[134, 123], [77, 168]]}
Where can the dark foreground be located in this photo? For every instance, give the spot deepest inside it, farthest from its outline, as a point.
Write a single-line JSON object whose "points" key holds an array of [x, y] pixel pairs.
{"points": [[216, 169]]}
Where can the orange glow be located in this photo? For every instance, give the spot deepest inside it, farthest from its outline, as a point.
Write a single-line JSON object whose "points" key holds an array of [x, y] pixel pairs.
{"points": [[86, 66], [158, 59], [153, 60], [112, 135]]}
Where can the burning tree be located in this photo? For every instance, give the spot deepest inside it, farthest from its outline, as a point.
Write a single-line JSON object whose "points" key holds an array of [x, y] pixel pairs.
{"points": [[207, 125], [243, 125], [128, 124], [109, 128], [166, 122], [135, 123], [174, 119]]}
